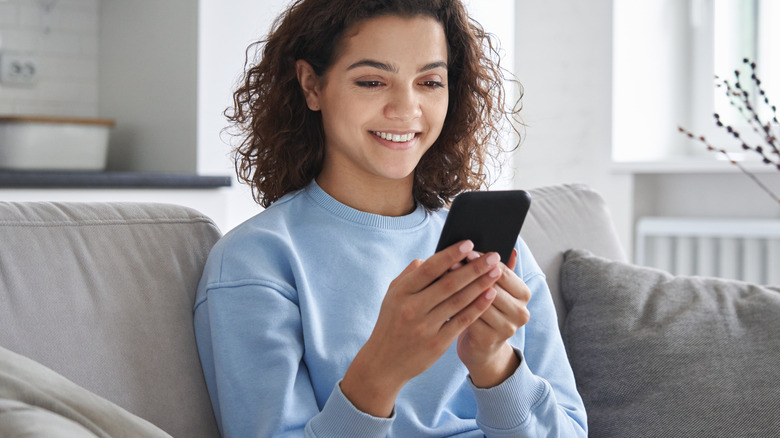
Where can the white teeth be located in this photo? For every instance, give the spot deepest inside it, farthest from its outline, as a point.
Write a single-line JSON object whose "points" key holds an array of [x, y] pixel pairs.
{"points": [[398, 138]]}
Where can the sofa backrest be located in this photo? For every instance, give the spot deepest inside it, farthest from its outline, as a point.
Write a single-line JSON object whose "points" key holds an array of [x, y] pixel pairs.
{"points": [[564, 217], [103, 293]]}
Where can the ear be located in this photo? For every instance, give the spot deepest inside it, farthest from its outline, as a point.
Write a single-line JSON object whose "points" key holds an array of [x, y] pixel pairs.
{"points": [[310, 84]]}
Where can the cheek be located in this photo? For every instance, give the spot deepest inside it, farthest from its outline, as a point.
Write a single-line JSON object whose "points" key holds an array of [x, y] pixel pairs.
{"points": [[438, 112], [337, 117], [441, 105], [352, 111]]}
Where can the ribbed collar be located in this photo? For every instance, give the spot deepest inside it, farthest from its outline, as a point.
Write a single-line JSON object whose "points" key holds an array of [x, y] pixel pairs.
{"points": [[413, 220]]}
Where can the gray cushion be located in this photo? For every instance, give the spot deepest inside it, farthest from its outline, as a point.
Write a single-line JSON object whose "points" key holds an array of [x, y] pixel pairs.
{"points": [[102, 293], [37, 402], [662, 356]]}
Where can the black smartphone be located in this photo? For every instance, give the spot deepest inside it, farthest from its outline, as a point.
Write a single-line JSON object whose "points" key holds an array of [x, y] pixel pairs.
{"points": [[492, 220]]}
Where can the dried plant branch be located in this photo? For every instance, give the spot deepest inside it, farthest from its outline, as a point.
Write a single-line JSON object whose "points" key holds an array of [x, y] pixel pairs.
{"points": [[740, 99], [703, 140]]}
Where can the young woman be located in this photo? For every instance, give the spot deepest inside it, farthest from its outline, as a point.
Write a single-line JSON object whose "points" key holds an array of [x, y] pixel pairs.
{"points": [[328, 314]]}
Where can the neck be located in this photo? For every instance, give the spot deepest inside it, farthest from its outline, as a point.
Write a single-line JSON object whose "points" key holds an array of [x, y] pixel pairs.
{"points": [[377, 196]]}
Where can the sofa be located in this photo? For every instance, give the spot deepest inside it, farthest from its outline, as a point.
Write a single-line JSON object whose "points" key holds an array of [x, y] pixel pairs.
{"points": [[96, 335]]}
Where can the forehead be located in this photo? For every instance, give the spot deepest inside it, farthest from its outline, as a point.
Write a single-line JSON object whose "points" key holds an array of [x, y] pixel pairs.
{"points": [[394, 38]]}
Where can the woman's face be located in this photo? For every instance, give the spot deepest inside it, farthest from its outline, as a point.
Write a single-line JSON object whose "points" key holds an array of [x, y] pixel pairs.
{"points": [[384, 100]]}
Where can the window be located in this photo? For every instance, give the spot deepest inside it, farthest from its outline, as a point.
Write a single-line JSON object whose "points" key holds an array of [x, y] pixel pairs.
{"points": [[666, 54]]}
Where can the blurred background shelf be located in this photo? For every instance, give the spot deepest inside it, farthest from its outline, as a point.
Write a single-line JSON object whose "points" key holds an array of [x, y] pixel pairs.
{"points": [[116, 180]]}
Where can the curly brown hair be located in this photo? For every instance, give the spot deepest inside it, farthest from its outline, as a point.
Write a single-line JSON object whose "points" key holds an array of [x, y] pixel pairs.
{"points": [[283, 143]]}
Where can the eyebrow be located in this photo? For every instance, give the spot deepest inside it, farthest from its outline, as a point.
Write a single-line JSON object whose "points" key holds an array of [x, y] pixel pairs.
{"points": [[433, 65], [393, 69]]}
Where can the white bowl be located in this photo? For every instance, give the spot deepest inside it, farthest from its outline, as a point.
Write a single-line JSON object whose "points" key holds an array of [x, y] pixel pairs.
{"points": [[53, 143]]}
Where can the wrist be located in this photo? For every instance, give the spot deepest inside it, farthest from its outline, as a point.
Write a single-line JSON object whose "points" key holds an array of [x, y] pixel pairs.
{"points": [[369, 389], [495, 369]]}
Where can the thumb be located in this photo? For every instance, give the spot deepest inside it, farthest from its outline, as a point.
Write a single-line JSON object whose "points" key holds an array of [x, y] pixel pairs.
{"points": [[512, 260]]}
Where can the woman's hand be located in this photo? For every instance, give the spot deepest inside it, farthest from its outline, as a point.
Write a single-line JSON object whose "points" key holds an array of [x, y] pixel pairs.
{"points": [[426, 307], [483, 347]]}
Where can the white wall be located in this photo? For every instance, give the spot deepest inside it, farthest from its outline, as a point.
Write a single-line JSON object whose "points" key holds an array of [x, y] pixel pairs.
{"points": [[564, 61], [64, 43], [148, 83], [131, 61], [226, 28], [723, 194]]}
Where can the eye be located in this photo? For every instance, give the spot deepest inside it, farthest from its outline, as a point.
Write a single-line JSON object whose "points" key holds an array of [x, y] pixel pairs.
{"points": [[369, 84], [432, 84]]}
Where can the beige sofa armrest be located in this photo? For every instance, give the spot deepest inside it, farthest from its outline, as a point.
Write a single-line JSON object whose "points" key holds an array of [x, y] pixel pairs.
{"points": [[102, 293], [564, 217]]}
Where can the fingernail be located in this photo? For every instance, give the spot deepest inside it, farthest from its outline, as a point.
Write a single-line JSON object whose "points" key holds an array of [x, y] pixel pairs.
{"points": [[490, 294], [466, 246], [473, 255], [495, 272], [493, 259]]}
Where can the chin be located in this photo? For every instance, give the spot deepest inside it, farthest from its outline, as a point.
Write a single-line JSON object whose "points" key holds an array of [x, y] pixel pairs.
{"points": [[398, 173]]}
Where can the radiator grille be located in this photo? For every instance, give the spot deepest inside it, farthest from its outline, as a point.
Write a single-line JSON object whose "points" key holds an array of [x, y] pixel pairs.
{"points": [[742, 249]]}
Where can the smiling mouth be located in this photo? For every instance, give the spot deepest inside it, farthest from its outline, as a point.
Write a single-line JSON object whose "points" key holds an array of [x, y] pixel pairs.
{"points": [[396, 138]]}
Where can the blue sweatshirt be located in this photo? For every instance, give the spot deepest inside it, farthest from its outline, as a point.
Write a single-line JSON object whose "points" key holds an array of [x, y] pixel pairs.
{"points": [[289, 297]]}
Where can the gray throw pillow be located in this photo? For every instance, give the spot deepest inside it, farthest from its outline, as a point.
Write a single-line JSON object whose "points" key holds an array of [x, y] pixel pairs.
{"points": [[656, 355], [35, 401]]}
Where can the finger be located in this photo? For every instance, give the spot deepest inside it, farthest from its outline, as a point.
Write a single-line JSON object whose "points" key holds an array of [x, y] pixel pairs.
{"points": [[504, 301], [452, 282], [457, 290], [481, 328], [510, 282], [436, 266], [505, 315], [512, 260], [473, 255], [468, 315], [409, 268]]}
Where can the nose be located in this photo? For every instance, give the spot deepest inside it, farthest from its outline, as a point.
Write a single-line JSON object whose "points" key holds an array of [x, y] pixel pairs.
{"points": [[404, 104]]}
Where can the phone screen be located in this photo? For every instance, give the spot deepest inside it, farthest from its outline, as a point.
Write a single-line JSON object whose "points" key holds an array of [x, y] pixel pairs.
{"points": [[491, 219]]}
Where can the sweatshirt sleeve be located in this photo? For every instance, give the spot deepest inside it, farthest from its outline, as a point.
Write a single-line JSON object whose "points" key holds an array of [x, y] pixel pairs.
{"points": [[250, 341], [540, 398]]}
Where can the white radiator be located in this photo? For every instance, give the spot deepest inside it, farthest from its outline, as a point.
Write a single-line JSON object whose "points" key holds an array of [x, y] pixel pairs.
{"points": [[742, 249]]}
